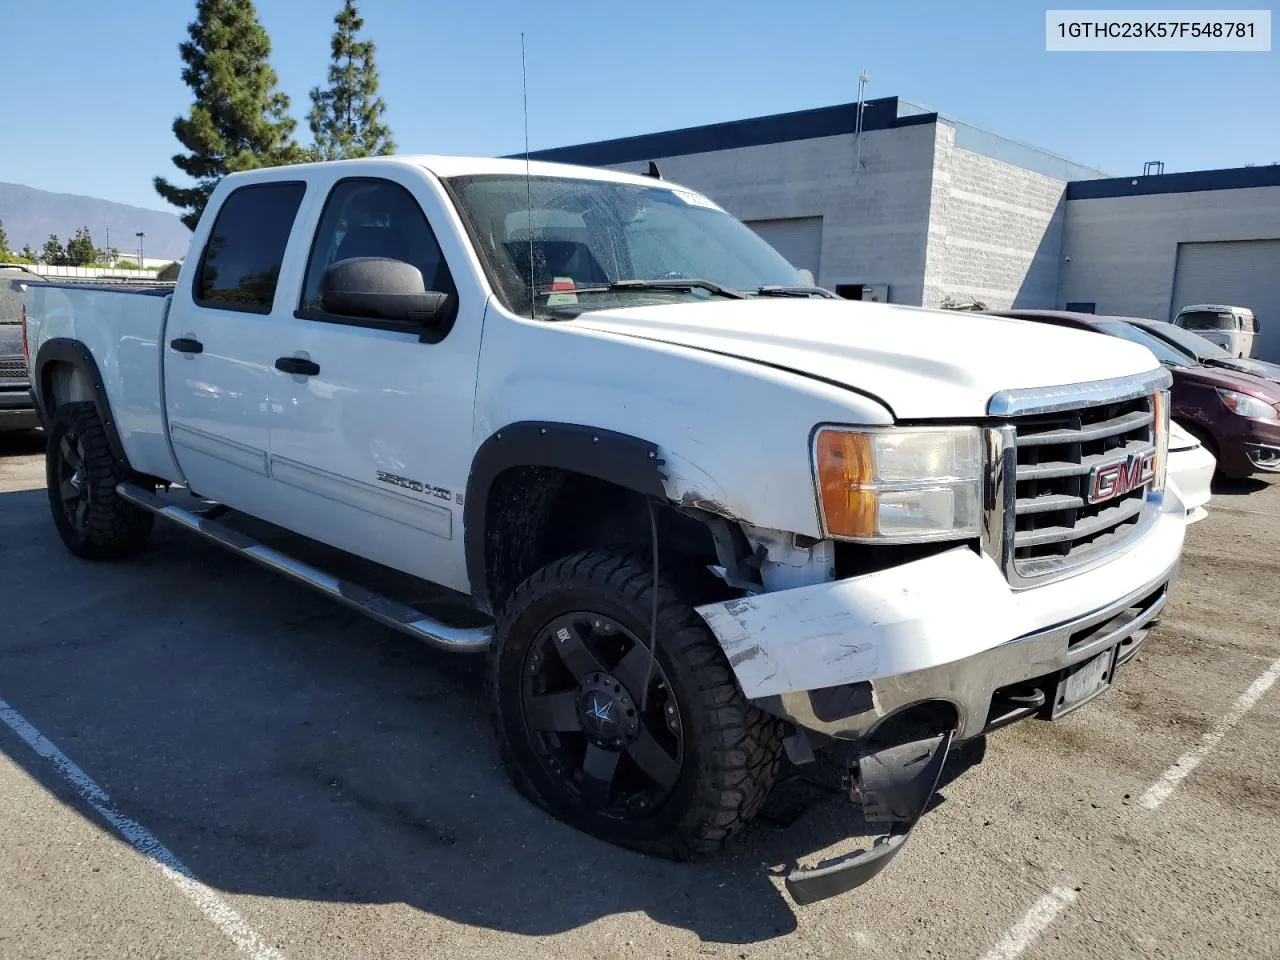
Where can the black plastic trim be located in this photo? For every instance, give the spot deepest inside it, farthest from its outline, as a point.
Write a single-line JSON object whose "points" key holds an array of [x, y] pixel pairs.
{"points": [[613, 457], [66, 350]]}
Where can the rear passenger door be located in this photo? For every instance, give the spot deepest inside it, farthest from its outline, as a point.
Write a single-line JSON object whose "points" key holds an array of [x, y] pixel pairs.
{"points": [[218, 362]]}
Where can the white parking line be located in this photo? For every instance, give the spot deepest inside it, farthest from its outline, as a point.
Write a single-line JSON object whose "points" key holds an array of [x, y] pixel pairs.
{"points": [[145, 842], [1033, 923], [1162, 789]]}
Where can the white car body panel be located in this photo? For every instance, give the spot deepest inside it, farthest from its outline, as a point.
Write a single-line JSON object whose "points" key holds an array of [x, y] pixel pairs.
{"points": [[955, 363], [124, 332], [1191, 470]]}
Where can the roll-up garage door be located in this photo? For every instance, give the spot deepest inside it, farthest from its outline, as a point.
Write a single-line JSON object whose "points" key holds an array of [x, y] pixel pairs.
{"points": [[799, 239], [1241, 273]]}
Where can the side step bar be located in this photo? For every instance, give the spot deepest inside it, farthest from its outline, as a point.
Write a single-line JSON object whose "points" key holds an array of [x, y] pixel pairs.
{"points": [[390, 612]]}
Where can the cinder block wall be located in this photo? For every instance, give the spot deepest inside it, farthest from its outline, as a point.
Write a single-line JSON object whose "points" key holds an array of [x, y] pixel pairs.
{"points": [[995, 230], [1124, 250], [875, 220]]}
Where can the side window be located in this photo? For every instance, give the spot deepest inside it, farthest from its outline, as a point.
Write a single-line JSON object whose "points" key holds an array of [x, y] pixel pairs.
{"points": [[241, 261], [372, 218]]}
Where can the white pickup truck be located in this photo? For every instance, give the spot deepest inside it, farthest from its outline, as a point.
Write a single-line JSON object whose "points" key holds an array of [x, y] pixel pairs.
{"points": [[545, 388]]}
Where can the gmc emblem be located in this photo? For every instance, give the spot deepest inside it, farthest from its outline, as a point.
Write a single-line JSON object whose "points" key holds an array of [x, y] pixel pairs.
{"points": [[1109, 480]]}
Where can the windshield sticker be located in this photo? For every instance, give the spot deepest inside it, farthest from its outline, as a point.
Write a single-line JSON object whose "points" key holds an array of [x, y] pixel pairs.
{"points": [[561, 294], [695, 199]]}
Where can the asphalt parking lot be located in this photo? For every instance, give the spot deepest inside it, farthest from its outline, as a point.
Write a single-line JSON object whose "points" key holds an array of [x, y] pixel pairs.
{"points": [[334, 790]]}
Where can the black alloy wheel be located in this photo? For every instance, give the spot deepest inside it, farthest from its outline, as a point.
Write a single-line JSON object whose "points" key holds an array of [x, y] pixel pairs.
{"points": [[72, 486], [600, 720]]}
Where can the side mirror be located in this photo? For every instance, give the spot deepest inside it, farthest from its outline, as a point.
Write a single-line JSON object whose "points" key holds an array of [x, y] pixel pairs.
{"points": [[378, 288]]}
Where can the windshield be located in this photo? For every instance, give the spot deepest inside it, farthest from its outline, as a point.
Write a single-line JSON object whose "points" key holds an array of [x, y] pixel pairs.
{"points": [[558, 235], [1164, 352], [1207, 320], [1185, 340]]}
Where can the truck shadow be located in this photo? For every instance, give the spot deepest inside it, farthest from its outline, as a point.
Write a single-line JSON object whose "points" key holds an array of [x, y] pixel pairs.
{"points": [[283, 747]]}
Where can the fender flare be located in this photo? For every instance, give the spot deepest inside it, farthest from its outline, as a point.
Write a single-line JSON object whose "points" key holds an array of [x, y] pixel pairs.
{"points": [[617, 458], [75, 353]]}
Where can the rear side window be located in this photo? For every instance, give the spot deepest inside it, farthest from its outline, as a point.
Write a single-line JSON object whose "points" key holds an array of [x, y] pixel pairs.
{"points": [[372, 218], [241, 262]]}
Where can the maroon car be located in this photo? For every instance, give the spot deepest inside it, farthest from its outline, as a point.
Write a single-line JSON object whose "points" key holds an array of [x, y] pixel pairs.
{"points": [[1235, 415]]}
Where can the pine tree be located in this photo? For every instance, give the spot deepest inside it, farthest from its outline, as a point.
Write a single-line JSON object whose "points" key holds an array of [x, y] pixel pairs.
{"points": [[346, 119], [53, 253], [80, 249], [28, 254], [4, 239], [238, 120]]}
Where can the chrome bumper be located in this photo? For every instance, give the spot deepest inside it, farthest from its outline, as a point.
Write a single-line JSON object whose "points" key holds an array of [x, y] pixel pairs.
{"points": [[987, 689]]}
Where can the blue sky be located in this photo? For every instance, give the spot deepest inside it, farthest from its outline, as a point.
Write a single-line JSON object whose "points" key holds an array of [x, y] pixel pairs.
{"points": [[98, 84]]}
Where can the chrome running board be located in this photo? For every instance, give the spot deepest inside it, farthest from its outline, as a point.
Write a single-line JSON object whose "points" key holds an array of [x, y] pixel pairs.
{"points": [[386, 611]]}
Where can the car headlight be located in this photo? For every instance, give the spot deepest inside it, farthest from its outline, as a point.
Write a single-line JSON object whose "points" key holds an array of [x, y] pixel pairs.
{"points": [[1247, 406], [899, 484]]}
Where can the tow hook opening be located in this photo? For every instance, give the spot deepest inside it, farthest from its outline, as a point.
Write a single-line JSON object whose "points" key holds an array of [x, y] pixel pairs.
{"points": [[894, 785]]}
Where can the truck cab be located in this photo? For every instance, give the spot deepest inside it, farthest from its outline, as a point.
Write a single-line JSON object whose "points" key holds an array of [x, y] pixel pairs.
{"points": [[705, 513]]}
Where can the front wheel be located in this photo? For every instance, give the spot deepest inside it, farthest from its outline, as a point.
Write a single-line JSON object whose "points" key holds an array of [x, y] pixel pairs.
{"points": [[666, 757], [81, 477]]}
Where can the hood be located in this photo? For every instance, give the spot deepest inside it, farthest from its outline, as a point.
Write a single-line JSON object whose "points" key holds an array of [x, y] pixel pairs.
{"points": [[922, 364], [1229, 380]]}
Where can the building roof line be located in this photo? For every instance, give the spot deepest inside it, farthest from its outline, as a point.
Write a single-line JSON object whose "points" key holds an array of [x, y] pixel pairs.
{"points": [[878, 114]]}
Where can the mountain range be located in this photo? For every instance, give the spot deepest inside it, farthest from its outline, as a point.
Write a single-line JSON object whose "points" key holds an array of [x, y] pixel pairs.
{"points": [[30, 215]]}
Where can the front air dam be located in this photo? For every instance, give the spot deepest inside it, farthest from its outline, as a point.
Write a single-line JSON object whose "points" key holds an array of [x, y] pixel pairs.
{"points": [[894, 786]]}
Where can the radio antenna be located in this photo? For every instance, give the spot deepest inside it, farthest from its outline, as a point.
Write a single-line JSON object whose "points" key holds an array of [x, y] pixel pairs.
{"points": [[528, 181]]}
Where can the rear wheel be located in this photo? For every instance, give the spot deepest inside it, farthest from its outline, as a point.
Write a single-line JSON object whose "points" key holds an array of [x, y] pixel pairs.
{"points": [[668, 757], [81, 476]]}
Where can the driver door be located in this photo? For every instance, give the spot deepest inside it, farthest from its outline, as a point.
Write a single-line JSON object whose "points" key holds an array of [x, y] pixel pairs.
{"points": [[371, 437]]}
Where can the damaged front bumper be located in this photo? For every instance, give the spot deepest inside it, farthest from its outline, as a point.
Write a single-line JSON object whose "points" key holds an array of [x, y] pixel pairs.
{"points": [[947, 634]]}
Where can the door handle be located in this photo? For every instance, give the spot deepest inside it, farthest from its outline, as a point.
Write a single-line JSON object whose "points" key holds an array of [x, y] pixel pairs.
{"points": [[186, 345], [297, 365]]}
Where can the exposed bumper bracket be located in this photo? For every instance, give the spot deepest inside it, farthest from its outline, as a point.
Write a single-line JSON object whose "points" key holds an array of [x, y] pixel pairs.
{"points": [[895, 785]]}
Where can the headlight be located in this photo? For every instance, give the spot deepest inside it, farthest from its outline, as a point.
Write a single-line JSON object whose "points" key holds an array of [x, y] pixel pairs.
{"points": [[899, 484], [1247, 406]]}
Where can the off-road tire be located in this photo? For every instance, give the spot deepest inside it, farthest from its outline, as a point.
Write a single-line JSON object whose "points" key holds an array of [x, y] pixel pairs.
{"points": [[110, 528], [731, 750]]}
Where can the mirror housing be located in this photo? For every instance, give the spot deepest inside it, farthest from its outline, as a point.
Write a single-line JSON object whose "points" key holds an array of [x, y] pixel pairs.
{"points": [[379, 288]]}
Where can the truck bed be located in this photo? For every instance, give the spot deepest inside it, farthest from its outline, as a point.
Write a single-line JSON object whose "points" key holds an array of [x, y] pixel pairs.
{"points": [[122, 324]]}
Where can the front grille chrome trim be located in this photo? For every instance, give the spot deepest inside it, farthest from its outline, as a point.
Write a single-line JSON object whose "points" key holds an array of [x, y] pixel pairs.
{"points": [[1071, 396], [1087, 539]]}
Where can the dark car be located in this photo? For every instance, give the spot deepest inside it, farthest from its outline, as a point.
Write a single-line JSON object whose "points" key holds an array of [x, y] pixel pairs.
{"points": [[1205, 351], [17, 411], [1235, 415]]}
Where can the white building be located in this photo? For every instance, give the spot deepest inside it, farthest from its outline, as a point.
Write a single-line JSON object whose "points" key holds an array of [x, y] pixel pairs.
{"points": [[920, 208]]}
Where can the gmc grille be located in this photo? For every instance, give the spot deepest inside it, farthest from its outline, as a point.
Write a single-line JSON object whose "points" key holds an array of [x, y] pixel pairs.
{"points": [[1054, 524], [13, 368]]}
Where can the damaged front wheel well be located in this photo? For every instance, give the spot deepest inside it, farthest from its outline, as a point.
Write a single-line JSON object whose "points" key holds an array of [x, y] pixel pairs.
{"points": [[536, 515]]}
